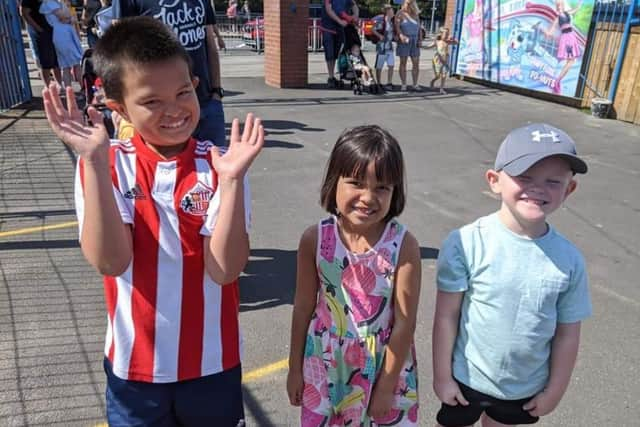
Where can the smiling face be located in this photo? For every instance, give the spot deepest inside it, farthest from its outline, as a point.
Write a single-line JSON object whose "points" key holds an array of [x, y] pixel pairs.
{"points": [[527, 199], [365, 201], [159, 99]]}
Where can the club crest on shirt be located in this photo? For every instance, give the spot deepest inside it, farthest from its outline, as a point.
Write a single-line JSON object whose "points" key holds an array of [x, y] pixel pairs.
{"points": [[196, 201]]}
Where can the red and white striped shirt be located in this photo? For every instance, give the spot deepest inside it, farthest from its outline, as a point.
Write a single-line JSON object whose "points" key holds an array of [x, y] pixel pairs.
{"points": [[167, 319]]}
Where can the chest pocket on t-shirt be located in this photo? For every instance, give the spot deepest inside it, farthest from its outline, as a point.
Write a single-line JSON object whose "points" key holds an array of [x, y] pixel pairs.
{"points": [[548, 294]]}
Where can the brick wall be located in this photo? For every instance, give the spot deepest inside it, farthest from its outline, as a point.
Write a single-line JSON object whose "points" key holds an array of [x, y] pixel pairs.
{"points": [[450, 13], [285, 46]]}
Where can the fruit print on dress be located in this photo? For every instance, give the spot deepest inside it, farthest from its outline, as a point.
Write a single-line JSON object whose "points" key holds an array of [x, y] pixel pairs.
{"points": [[349, 331]]}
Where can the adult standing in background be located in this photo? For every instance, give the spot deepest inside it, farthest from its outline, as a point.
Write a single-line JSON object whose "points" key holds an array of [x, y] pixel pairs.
{"points": [[66, 38], [89, 10], [409, 42], [246, 10], [193, 21], [40, 40], [333, 22]]}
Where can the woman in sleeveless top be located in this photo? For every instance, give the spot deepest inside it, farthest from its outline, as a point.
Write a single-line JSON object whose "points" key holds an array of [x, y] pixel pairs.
{"points": [[408, 29]]}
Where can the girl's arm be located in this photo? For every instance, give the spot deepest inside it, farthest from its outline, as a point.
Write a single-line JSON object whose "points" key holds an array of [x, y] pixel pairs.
{"points": [[303, 306], [406, 294], [62, 14], [564, 350], [445, 330], [575, 9]]}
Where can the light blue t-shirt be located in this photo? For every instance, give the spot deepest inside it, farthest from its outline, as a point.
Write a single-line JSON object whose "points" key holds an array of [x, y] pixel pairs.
{"points": [[516, 291]]}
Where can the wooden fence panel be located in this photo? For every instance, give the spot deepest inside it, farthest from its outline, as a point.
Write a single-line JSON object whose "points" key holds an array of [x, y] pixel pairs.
{"points": [[627, 101], [606, 44]]}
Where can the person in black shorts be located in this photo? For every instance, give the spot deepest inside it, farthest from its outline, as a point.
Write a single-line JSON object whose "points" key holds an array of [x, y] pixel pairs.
{"points": [[509, 412], [333, 22], [40, 40]]}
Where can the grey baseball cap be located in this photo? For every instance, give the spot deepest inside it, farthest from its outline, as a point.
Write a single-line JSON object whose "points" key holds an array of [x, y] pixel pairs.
{"points": [[527, 145]]}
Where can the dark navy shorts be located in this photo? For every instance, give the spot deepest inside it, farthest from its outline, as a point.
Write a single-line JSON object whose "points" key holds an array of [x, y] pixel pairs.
{"points": [[503, 411], [331, 43], [213, 400]]}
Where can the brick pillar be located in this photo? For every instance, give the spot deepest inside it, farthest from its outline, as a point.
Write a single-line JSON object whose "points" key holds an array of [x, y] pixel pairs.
{"points": [[286, 25], [450, 14]]}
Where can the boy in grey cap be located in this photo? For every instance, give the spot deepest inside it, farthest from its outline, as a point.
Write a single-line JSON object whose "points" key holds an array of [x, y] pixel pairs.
{"points": [[512, 292]]}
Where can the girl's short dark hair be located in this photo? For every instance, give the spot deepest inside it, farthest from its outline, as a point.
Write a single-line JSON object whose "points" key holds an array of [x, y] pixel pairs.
{"points": [[138, 40], [355, 149]]}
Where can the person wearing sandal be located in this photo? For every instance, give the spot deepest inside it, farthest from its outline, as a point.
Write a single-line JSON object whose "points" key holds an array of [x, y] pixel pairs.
{"points": [[407, 25]]}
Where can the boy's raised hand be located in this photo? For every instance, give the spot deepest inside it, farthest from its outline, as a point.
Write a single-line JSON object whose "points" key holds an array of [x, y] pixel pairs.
{"points": [[89, 141], [241, 151]]}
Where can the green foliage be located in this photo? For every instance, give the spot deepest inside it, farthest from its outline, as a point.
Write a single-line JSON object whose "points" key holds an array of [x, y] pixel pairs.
{"points": [[582, 19]]}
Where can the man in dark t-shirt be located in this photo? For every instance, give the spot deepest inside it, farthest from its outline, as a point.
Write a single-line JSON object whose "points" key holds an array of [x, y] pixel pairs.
{"points": [[334, 18], [193, 21], [40, 40]]}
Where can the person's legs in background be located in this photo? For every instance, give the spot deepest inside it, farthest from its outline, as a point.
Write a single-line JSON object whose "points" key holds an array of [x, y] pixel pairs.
{"points": [[415, 71], [403, 72]]}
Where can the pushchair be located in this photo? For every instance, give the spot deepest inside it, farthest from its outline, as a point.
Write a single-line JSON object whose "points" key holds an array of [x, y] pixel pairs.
{"points": [[92, 89], [346, 67]]}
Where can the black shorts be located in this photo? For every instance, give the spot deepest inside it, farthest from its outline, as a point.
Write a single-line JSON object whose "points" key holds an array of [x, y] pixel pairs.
{"points": [[503, 411], [331, 43]]}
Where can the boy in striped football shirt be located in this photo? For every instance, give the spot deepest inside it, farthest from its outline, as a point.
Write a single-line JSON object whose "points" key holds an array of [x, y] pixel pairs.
{"points": [[161, 217]]}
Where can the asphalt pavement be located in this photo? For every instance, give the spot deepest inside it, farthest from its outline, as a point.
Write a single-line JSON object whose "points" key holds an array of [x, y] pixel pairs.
{"points": [[52, 317]]}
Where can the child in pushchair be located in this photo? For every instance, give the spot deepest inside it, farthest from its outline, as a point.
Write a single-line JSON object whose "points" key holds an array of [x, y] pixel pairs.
{"points": [[353, 65]]}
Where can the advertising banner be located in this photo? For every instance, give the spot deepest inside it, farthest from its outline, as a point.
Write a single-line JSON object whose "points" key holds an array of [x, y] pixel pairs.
{"points": [[533, 44]]}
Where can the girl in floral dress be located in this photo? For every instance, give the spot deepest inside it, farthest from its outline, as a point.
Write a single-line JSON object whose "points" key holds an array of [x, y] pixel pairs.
{"points": [[352, 358]]}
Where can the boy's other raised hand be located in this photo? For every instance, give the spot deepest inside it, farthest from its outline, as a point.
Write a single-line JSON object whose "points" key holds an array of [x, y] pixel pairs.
{"points": [[90, 141], [242, 149]]}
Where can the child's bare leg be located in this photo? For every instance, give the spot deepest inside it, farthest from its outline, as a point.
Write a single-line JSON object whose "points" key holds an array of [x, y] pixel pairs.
{"points": [[489, 422], [77, 73], [66, 76], [389, 75], [442, 79], [57, 74], [378, 74]]}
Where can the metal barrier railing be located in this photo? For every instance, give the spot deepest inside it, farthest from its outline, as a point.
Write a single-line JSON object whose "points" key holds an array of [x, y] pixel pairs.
{"points": [[14, 74], [243, 32]]}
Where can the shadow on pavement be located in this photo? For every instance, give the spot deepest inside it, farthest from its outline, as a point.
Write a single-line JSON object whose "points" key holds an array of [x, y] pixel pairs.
{"points": [[252, 406], [270, 278]]}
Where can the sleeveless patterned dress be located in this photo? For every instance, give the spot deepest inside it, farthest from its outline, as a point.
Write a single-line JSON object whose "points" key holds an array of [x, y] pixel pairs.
{"points": [[349, 331]]}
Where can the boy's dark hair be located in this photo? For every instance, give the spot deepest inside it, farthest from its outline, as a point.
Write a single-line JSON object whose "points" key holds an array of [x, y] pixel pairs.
{"points": [[354, 150], [137, 40]]}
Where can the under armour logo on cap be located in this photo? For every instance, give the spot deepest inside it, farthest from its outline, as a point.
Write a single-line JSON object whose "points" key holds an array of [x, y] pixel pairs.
{"points": [[527, 145], [537, 136]]}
